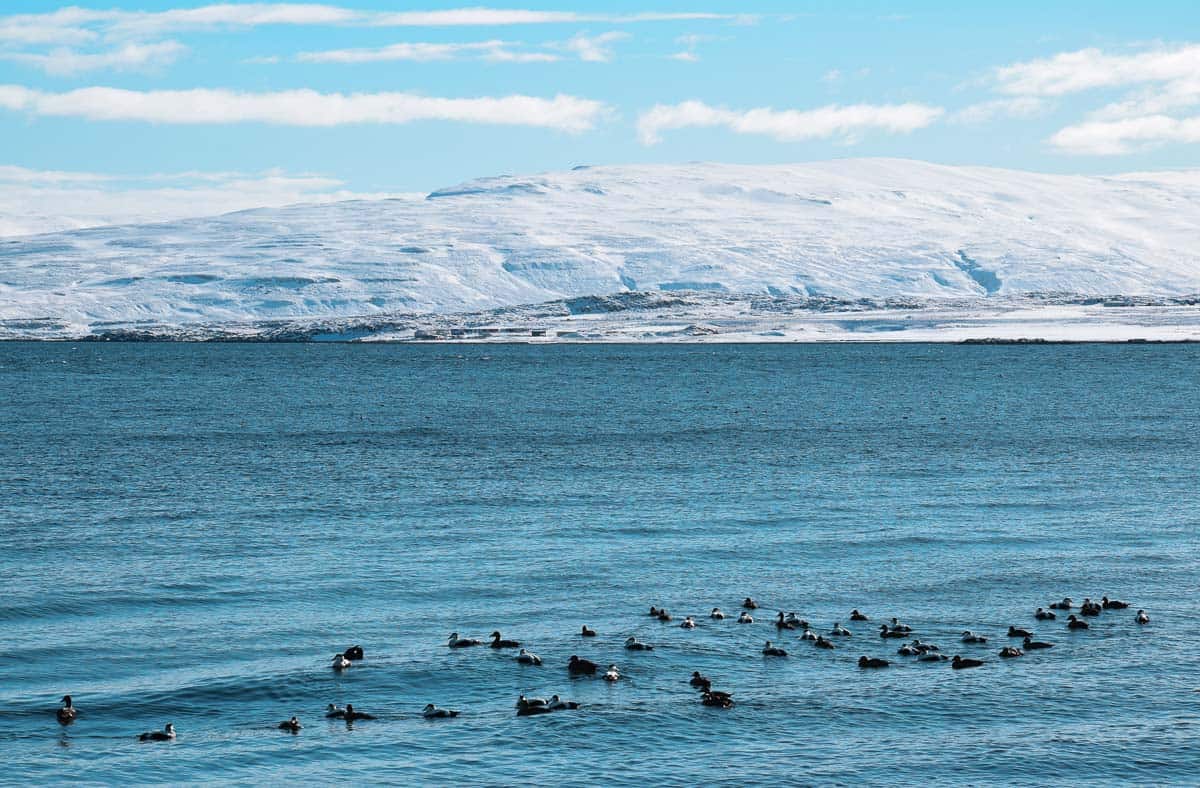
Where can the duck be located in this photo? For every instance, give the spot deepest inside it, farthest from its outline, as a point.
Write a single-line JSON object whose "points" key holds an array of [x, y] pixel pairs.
{"points": [[525, 658], [558, 704], [884, 632], [663, 615], [432, 712], [292, 725], [1030, 644], [898, 627], [354, 653], [1090, 608], [587, 633], [335, 712], [1142, 617], [528, 711], [1044, 615], [688, 623], [700, 681], [872, 662], [1075, 623], [1013, 632], [67, 714], [1008, 652], [524, 702], [340, 662], [958, 663], [780, 623], [351, 715], [821, 642], [924, 647], [857, 616], [772, 651], [718, 700], [797, 623], [745, 618], [1113, 604], [1066, 604], [808, 634], [908, 650], [970, 637], [581, 667], [166, 734], [612, 674], [654, 612], [633, 644], [456, 642], [930, 656], [498, 642], [839, 630], [717, 614], [749, 604]]}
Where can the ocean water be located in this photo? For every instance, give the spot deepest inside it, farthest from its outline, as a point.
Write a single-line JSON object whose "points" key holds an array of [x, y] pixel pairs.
{"points": [[188, 533]]}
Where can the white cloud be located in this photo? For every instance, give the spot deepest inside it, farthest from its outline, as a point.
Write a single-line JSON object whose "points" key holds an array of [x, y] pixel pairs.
{"points": [[1015, 107], [687, 56], [129, 57], [689, 43], [1087, 69], [37, 201], [302, 107], [404, 51], [594, 49], [788, 125], [1118, 137]]}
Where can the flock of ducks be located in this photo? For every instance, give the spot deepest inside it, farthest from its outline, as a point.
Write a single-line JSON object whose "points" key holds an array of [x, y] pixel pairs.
{"points": [[783, 622]]}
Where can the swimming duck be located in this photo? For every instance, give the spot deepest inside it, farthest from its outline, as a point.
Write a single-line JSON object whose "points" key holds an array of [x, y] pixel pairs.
{"points": [[351, 715], [456, 642], [335, 712], [612, 674], [497, 642], [688, 623], [797, 623], [856, 616], [633, 644], [1032, 645], [558, 704], [970, 637], [923, 647], [528, 711], [166, 734], [1013, 632], [525, 658], [719, 700], [872, 662], [1113, 604], [663, 615], [354, 653], [898, 627], [66, 714], [524, 702], [1090, 608], [808, 635], [432, 712], [654, 611], [821, 642], [700, 681], [745, 618], [958, 663], [908, 650], [749, 604], [717, 614], [929, 656], [884, 632], [292, 725], [1142, 618], [839, 630], [340, 662], [780, 623], [1066, 604], [772, 651], [580, 667], [587, 633], [1075, 623], [1044, 615], [1011, 651]]}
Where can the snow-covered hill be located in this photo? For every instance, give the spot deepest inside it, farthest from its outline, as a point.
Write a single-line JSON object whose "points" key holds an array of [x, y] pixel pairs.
{"points": [[846, 229]]}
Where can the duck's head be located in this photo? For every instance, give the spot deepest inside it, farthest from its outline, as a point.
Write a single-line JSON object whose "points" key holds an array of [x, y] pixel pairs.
{"points": [[453, 636], [170, 728], [570, 661], [67, 698], [966, 633], [630, 639], [862, 660], [495, 635], [1071, 617], [554, 699], [331, 707], [431, 707]]}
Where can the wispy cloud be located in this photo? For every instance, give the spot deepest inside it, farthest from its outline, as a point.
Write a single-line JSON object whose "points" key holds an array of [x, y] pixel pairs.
{"points": [[594, 49], [128, 57], [1088, 69], [689, 42], [421, 52], [1015, 107], [1117, 137], [302, 107], [845, 122]]}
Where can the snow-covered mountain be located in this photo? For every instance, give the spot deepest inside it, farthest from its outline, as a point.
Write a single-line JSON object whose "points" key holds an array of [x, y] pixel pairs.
{"points": [[847, 229]]}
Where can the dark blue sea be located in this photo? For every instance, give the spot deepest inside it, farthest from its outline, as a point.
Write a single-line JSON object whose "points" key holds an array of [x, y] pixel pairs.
{"points": [[189, 533]]}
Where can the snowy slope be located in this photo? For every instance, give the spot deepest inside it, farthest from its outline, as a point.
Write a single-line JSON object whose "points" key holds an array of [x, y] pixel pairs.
{"points": [[848, 229]]}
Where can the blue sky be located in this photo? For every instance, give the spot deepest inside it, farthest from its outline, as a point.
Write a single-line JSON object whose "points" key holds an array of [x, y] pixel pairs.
{"points": [[434, 94]]}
